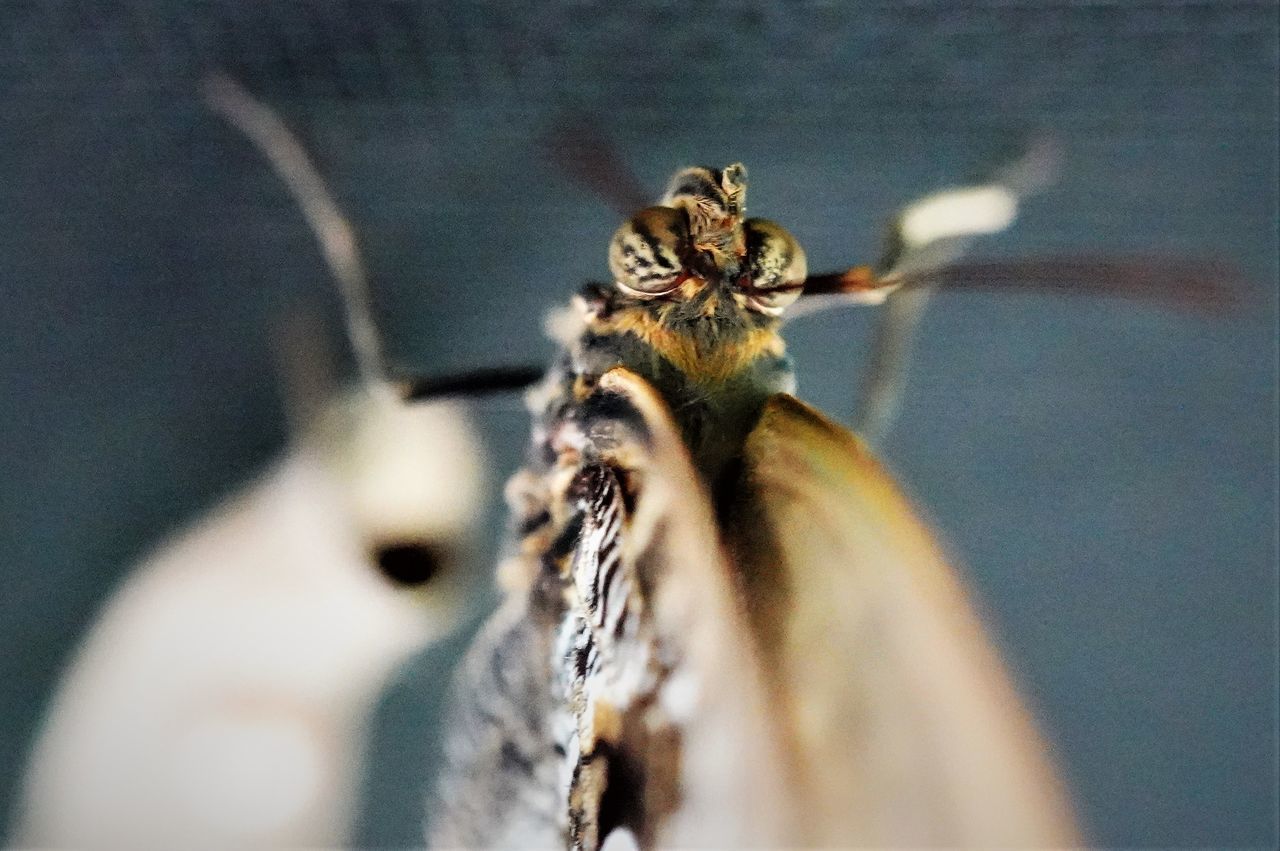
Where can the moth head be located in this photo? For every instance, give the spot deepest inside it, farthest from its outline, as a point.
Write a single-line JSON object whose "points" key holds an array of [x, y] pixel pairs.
{"points": [[714, 202], [695, 234], [699, 237]]}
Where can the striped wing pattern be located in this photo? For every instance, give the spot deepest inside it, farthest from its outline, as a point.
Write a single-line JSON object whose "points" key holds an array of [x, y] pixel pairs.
{"points": [[620, 696], [603, 581]]}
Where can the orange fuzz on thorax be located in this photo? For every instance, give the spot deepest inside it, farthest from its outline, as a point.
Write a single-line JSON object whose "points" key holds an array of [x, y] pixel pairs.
{"points": [[706, 357]]}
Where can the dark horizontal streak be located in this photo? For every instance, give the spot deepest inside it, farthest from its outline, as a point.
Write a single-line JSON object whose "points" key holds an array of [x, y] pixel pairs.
{"points": [[478, 382], [1188, 284], [1193, 284]]}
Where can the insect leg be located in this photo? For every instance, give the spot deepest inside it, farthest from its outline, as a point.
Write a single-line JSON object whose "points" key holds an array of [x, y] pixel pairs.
{"points": [[929, 233], [926, 236], [884, 378]]}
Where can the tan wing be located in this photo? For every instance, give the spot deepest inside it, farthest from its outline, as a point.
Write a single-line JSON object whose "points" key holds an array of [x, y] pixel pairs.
{"points": [[902, 725]]}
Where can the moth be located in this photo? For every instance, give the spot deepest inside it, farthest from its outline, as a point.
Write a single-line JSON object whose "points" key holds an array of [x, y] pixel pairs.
{"points": [[223, 696], [724, 624]]}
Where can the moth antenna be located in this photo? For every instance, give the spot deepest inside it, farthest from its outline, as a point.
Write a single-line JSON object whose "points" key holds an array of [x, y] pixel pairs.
{"points": [[306, 365], [583, 153], [269, 134], [1036, 170], [1198, 285]]}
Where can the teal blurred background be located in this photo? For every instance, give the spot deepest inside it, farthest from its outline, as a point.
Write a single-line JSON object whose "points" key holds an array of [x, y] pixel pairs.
{"points": [[1106, 471]]}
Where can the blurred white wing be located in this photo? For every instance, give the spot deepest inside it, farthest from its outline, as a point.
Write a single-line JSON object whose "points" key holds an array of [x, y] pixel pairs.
{"points": [[222, 697]]}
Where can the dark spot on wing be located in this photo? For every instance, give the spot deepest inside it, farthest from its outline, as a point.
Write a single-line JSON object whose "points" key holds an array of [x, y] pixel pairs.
{"points": [[409, 563]]}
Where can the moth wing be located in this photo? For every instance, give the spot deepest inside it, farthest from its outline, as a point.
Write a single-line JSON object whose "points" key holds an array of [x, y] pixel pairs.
{"points": [[500, 772], [731, 784], [647, 571], [902, 726]]}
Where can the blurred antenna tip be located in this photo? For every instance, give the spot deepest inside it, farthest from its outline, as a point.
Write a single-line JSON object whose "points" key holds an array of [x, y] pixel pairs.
{"points": [[1038, 168], [217, 87]]}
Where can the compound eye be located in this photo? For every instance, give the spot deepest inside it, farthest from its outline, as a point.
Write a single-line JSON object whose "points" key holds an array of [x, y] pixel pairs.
{"points": [[776, 266], [645, 253]]}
